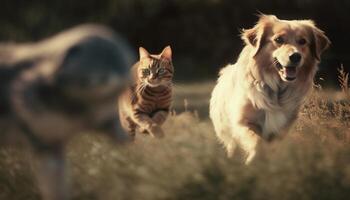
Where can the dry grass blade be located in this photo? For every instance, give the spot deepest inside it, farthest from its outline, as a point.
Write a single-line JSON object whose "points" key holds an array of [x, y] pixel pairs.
{"points": [[343, 79]]}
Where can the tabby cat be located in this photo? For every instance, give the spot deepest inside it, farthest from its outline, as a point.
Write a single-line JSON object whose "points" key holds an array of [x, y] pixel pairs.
{"points": [[145, 104]]}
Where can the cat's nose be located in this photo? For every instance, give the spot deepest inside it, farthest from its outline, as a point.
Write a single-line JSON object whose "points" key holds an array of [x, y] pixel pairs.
{"points": [[153, 76]]}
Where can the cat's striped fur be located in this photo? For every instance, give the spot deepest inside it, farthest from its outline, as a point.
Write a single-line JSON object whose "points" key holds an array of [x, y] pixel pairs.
{"points": [[145, 104]]}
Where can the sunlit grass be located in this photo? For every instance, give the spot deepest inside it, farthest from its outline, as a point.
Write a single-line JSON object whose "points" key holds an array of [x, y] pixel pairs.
{"points": [[312, 162]]}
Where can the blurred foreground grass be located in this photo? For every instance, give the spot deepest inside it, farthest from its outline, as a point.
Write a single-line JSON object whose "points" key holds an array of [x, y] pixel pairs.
{"points": [[312, 162]]}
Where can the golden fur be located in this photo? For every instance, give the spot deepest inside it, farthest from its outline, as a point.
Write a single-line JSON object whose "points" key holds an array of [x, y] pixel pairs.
{"points": [[260, 95]]}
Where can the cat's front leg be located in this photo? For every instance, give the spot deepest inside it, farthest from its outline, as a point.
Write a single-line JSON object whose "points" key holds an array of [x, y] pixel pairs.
{"points": [[160, 117], [146, 123], [156, 131]]}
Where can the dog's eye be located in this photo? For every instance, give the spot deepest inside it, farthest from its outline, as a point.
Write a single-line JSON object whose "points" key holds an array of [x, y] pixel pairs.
{"points": [[302, 41], [279, 40]]}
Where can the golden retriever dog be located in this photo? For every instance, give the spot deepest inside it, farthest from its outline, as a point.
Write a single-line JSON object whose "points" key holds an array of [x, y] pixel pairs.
{"points": [[260, 95]]}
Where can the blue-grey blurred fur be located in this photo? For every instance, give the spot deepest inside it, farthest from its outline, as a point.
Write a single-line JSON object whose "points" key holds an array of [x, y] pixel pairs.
{"points": [[52, 89]]}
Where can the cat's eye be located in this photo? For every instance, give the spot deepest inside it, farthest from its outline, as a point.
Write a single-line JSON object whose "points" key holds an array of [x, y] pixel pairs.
{"points": [[161, 71], [279, 40], [146, 72], [302, 41]]}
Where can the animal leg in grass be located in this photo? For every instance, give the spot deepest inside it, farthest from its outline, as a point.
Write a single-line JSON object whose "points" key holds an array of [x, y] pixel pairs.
{"points": [[160, 117], [51, 175], [248, 142], [230, 148], [147, 124], [128, 125], [156, 131]]}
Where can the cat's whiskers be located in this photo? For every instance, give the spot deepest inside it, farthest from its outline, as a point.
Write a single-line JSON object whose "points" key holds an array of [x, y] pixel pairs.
{"points": [[142, 88]]}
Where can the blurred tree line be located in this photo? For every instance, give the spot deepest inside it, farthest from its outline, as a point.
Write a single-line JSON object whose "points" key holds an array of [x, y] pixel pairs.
{"points": [[204, 34]]}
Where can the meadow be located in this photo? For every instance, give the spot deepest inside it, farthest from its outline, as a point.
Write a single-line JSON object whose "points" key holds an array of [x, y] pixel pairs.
{"points": [[312, 162]]}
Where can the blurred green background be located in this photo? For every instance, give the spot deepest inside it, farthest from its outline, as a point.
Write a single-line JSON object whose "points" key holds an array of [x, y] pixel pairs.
{"points": [[204, 34]]}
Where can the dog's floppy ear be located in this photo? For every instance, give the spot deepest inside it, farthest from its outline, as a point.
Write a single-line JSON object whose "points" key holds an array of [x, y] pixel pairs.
{"points": [[319, 42], [250, 36], [256, 36]]}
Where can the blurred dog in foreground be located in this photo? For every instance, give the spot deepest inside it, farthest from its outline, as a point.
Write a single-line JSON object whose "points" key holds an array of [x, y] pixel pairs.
{"points": [[58, 87], [260, 96]]}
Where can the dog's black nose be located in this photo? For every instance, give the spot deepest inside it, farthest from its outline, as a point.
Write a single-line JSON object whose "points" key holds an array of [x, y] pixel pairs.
{"points": [[295, 58]]}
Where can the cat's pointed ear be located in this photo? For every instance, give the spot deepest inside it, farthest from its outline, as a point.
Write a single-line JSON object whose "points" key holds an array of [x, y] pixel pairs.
{"points": [[143, 53], [166, 53]]}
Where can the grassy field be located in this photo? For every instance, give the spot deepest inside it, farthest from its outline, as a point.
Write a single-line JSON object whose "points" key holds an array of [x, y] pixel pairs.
{"points": [[312, 162]]}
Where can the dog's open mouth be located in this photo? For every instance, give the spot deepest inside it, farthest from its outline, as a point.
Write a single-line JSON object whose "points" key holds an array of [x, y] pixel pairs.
{"points": [[288, 73]]}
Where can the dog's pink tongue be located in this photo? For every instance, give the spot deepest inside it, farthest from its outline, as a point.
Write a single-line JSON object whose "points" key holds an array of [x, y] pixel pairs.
{"points": [[290, 72]]}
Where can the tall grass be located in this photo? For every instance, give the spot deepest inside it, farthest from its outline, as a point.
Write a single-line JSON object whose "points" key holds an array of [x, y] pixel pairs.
{"points": [[312, 162]]}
